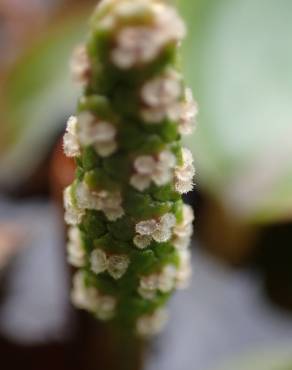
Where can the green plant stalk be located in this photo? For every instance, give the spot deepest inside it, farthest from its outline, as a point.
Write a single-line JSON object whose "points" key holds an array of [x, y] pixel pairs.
{"points": [[129, 228]]}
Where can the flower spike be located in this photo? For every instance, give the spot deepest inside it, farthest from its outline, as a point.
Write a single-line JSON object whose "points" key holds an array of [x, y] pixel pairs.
{"points": [[129, 229]]}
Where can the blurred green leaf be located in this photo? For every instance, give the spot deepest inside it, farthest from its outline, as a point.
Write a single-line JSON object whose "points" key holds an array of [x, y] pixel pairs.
{"points": [[238, 59]]}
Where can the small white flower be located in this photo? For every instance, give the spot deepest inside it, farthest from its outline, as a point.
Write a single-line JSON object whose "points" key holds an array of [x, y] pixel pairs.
{"points": [[145, 165], [75, 249], [188, 114], [142, 241], [118, 265], [148, 286], [135, 45], [169, 22], [152, 324], [148, 169], [100, 134], [109, 203], [183, 231], [159, 230], [161, 91], [87, 199], [98, 261], [147, 294], [80, 65], [146, 227], [106, 307], [112, 206], [184, 272], [149, 282], [73, 213], [140, 182], [86, 298], [166, 279], [160, 97], [164, 229], [70, 140], [184, 174]]}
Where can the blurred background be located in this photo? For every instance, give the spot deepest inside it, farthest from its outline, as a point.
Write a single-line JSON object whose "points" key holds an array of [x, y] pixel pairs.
{"points": [[238, 312]]}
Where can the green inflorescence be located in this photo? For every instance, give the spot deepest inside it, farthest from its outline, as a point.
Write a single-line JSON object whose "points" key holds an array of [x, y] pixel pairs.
{"points": [[129, 228]]}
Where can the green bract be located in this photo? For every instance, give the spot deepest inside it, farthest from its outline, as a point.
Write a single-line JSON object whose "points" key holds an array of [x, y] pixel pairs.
{"points": [[129, 229]]}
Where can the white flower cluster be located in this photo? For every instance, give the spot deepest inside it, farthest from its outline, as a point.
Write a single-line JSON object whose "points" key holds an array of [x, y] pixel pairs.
{"points": [[141, 44], [152, 324], [159, 230], [116, 264], [158, 169], [107, 202], [169, 277], [161, 97], [164, 97], [163, 281], [184, 174], [80, 66], [87, 129], [90, 299], [182, 231], [75, 249]]}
